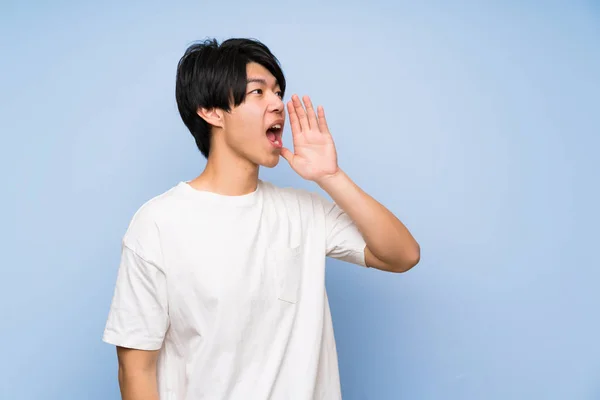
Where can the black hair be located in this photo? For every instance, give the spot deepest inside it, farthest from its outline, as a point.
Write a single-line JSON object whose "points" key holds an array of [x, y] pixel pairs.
{"points": [[210, 75]]}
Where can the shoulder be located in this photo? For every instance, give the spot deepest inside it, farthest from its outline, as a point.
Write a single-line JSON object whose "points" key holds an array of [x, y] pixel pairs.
{"points": [[291, 196], [143, 232], [155, 208]]}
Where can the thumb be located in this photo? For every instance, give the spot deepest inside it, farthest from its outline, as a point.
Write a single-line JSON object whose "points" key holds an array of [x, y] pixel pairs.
{"points": [[287, 154]]}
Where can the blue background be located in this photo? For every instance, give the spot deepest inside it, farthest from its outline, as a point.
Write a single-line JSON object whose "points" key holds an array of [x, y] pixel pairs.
{"points": [[477, 124]]}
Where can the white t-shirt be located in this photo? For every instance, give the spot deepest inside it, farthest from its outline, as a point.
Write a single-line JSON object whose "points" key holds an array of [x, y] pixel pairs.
{"points": [[231, 289]]}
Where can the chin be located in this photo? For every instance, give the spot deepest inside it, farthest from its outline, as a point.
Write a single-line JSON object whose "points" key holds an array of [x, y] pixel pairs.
{"points": [[271, 163]]}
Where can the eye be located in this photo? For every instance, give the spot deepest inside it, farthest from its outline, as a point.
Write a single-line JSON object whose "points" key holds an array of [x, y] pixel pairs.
{"points": [[257, 91], [280, 94]]}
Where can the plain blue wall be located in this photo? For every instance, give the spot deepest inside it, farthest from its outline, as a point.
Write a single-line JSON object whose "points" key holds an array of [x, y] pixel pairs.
{"points": [[477, 124]]}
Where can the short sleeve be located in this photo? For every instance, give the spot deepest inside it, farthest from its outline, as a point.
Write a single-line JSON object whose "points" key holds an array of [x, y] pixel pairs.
{"points": [[343, 239], [138, 316]]}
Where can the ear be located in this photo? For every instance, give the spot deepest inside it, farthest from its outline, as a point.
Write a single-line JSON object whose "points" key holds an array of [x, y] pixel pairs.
{"points": [[214, 116]]}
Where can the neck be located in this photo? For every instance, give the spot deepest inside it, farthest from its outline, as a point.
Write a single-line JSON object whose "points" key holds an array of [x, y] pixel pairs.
{"points": [[228, 174]]}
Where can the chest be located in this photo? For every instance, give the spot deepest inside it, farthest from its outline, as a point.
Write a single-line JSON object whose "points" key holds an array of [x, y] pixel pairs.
{"points": [[248, 257]]}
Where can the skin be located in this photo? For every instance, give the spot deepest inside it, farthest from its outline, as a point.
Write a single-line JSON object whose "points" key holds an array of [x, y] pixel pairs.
{"points": [[137, 374], [239, 147], [390, 246]]}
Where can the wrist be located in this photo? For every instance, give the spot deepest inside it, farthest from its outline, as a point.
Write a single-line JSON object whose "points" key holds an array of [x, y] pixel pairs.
{"points": [[330, 180]]}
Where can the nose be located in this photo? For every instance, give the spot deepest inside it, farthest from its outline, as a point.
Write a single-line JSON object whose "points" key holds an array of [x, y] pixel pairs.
{"points": [[276, 103]]}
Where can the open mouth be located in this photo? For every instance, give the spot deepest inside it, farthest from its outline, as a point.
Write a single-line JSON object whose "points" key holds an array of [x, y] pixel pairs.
{"points": [[274, 135]]}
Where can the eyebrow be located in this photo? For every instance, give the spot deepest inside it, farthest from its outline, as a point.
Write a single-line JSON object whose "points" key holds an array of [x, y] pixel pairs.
{"points": [[259, 80]]}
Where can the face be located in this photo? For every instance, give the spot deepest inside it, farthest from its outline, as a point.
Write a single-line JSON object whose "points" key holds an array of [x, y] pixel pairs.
{"points": [[253, 130]]}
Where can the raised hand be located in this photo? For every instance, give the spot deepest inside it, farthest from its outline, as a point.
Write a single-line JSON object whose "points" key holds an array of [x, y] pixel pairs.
{"points": [[314, 156]]}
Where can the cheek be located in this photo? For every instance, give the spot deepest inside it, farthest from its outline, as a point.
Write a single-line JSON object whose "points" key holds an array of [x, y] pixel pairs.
{"points": [[248, 122]]}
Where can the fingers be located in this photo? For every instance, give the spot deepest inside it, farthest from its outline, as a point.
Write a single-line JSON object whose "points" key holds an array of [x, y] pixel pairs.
{"points": [[287, 154], [303, 120], [294, 121], [302, 117], [310, 111], [322, 121]]}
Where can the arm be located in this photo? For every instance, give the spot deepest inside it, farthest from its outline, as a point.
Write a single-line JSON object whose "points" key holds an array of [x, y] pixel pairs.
{"points": [[137, 374], [390, 246], [138, 318]]}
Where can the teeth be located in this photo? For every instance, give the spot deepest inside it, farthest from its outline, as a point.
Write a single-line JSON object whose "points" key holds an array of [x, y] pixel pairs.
{"points": [[276, 126]]}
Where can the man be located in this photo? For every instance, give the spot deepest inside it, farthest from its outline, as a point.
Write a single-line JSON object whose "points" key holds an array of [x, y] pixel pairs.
{"points": [[220, 292]]}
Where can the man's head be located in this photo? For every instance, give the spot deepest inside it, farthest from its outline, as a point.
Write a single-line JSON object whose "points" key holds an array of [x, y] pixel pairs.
{"points": [[230, 96]]}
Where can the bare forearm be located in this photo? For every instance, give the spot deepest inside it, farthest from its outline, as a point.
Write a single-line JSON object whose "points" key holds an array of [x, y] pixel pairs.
{"points": [[386, 236], [138, 385]]}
